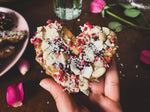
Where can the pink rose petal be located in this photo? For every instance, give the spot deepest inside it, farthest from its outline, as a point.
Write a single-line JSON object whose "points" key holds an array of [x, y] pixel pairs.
{"points": [[23, 66], [15, 95], [145, 56], [97, 6], [48, 21]]}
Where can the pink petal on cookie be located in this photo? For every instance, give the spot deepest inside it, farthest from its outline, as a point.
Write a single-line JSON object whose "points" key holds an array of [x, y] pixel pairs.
{"points": [[145, 56], [15, 95]]}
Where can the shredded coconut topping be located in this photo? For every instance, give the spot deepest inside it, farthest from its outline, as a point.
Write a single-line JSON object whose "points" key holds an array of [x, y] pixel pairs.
{"points": [[74, 64]]}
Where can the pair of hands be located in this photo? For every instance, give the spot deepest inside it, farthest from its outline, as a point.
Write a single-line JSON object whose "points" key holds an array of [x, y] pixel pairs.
{"points": [[104, 95]]}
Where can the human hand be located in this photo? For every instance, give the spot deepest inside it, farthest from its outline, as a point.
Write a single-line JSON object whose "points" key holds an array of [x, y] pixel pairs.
{"points": [[104, 94]]}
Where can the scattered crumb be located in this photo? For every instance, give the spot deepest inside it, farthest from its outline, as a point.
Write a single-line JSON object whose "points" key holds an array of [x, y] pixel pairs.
{"points": [[120, 72], [136, 66], [42, 71], [47, 102], [121, 64], [78, 20], [137, 76], [117, 55], [123, 75]]}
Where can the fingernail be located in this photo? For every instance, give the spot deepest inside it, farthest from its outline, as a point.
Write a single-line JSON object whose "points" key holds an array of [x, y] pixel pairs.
{"points": [[43, 84]]}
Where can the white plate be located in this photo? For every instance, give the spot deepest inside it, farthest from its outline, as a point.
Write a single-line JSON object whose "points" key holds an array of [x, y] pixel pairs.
{"points": [[21, 24]]}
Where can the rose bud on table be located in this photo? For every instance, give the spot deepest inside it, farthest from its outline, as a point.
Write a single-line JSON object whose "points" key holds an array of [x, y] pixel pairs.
{"points": [[15, 95], [23, 66]]}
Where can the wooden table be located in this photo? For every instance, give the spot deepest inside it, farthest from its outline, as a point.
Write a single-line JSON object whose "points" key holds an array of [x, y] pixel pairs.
{"points": [[134, 75]]}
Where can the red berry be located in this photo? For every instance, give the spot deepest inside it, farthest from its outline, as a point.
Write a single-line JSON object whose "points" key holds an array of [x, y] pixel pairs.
{"points": [[32, 40], [48, 21], [90, 26], [112, 40], [65, 48], [96, 59], [61, 72], [73, 46], [93, 34], [35, 46], [73, 76], [110, 49], [80, 35], [70, 44], [58, 54], [87, 23], [55, 76], [55, 40], [38, 40], [80, 50], [79, 42], [68, 55], [56, 22], [83, 42], [40, 55], [89, 36], [85, 28], [83, 63], [109, 58]]}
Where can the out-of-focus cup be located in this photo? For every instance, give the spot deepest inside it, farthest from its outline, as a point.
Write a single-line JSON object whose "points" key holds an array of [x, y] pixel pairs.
{"points": [[67, 9]]}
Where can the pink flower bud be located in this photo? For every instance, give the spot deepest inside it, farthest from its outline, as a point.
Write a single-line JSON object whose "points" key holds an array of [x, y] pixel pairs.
{"points": [[23, 66], [97, 6], [145, 56], [15, 95]]}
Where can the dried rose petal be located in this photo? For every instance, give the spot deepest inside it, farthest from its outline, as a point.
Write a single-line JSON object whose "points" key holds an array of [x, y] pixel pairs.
{"points": [[48, 21], [23, 66], [15, 95], [97, 6], [145, 56]]}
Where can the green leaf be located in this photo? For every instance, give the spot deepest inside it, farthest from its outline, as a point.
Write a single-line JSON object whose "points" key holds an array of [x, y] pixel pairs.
{"points": [[118, 29], [56, 4], [139, 19], [126, 6], [132, 12], [76, 3], [115, 26], [106, 7], [103, 13]]}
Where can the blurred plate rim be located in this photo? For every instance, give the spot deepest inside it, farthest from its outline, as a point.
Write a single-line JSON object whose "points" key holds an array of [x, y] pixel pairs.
{"points": [[21, 25]]}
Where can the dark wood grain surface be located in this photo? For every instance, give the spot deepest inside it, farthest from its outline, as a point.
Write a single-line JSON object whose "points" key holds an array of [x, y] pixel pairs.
{"points": [[134, 75]]}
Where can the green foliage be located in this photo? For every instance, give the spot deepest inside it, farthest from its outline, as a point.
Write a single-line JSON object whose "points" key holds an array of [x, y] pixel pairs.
{"points": [[139, 19], [116, 26], [103, 11], [132, 12], [76, 3], [126, 6]]}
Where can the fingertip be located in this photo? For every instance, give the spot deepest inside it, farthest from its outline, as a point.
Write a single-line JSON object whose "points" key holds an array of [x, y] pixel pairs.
{"points": [[50, 85], [44, 83], [113, 66], [112, 83], [59, 95]]}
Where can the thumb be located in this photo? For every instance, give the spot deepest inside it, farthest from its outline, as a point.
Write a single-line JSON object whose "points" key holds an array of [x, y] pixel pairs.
{"points": [[63, 100]]}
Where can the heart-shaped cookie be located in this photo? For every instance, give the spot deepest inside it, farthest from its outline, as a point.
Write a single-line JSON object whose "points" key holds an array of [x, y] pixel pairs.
{"points": [[74, 62]]}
